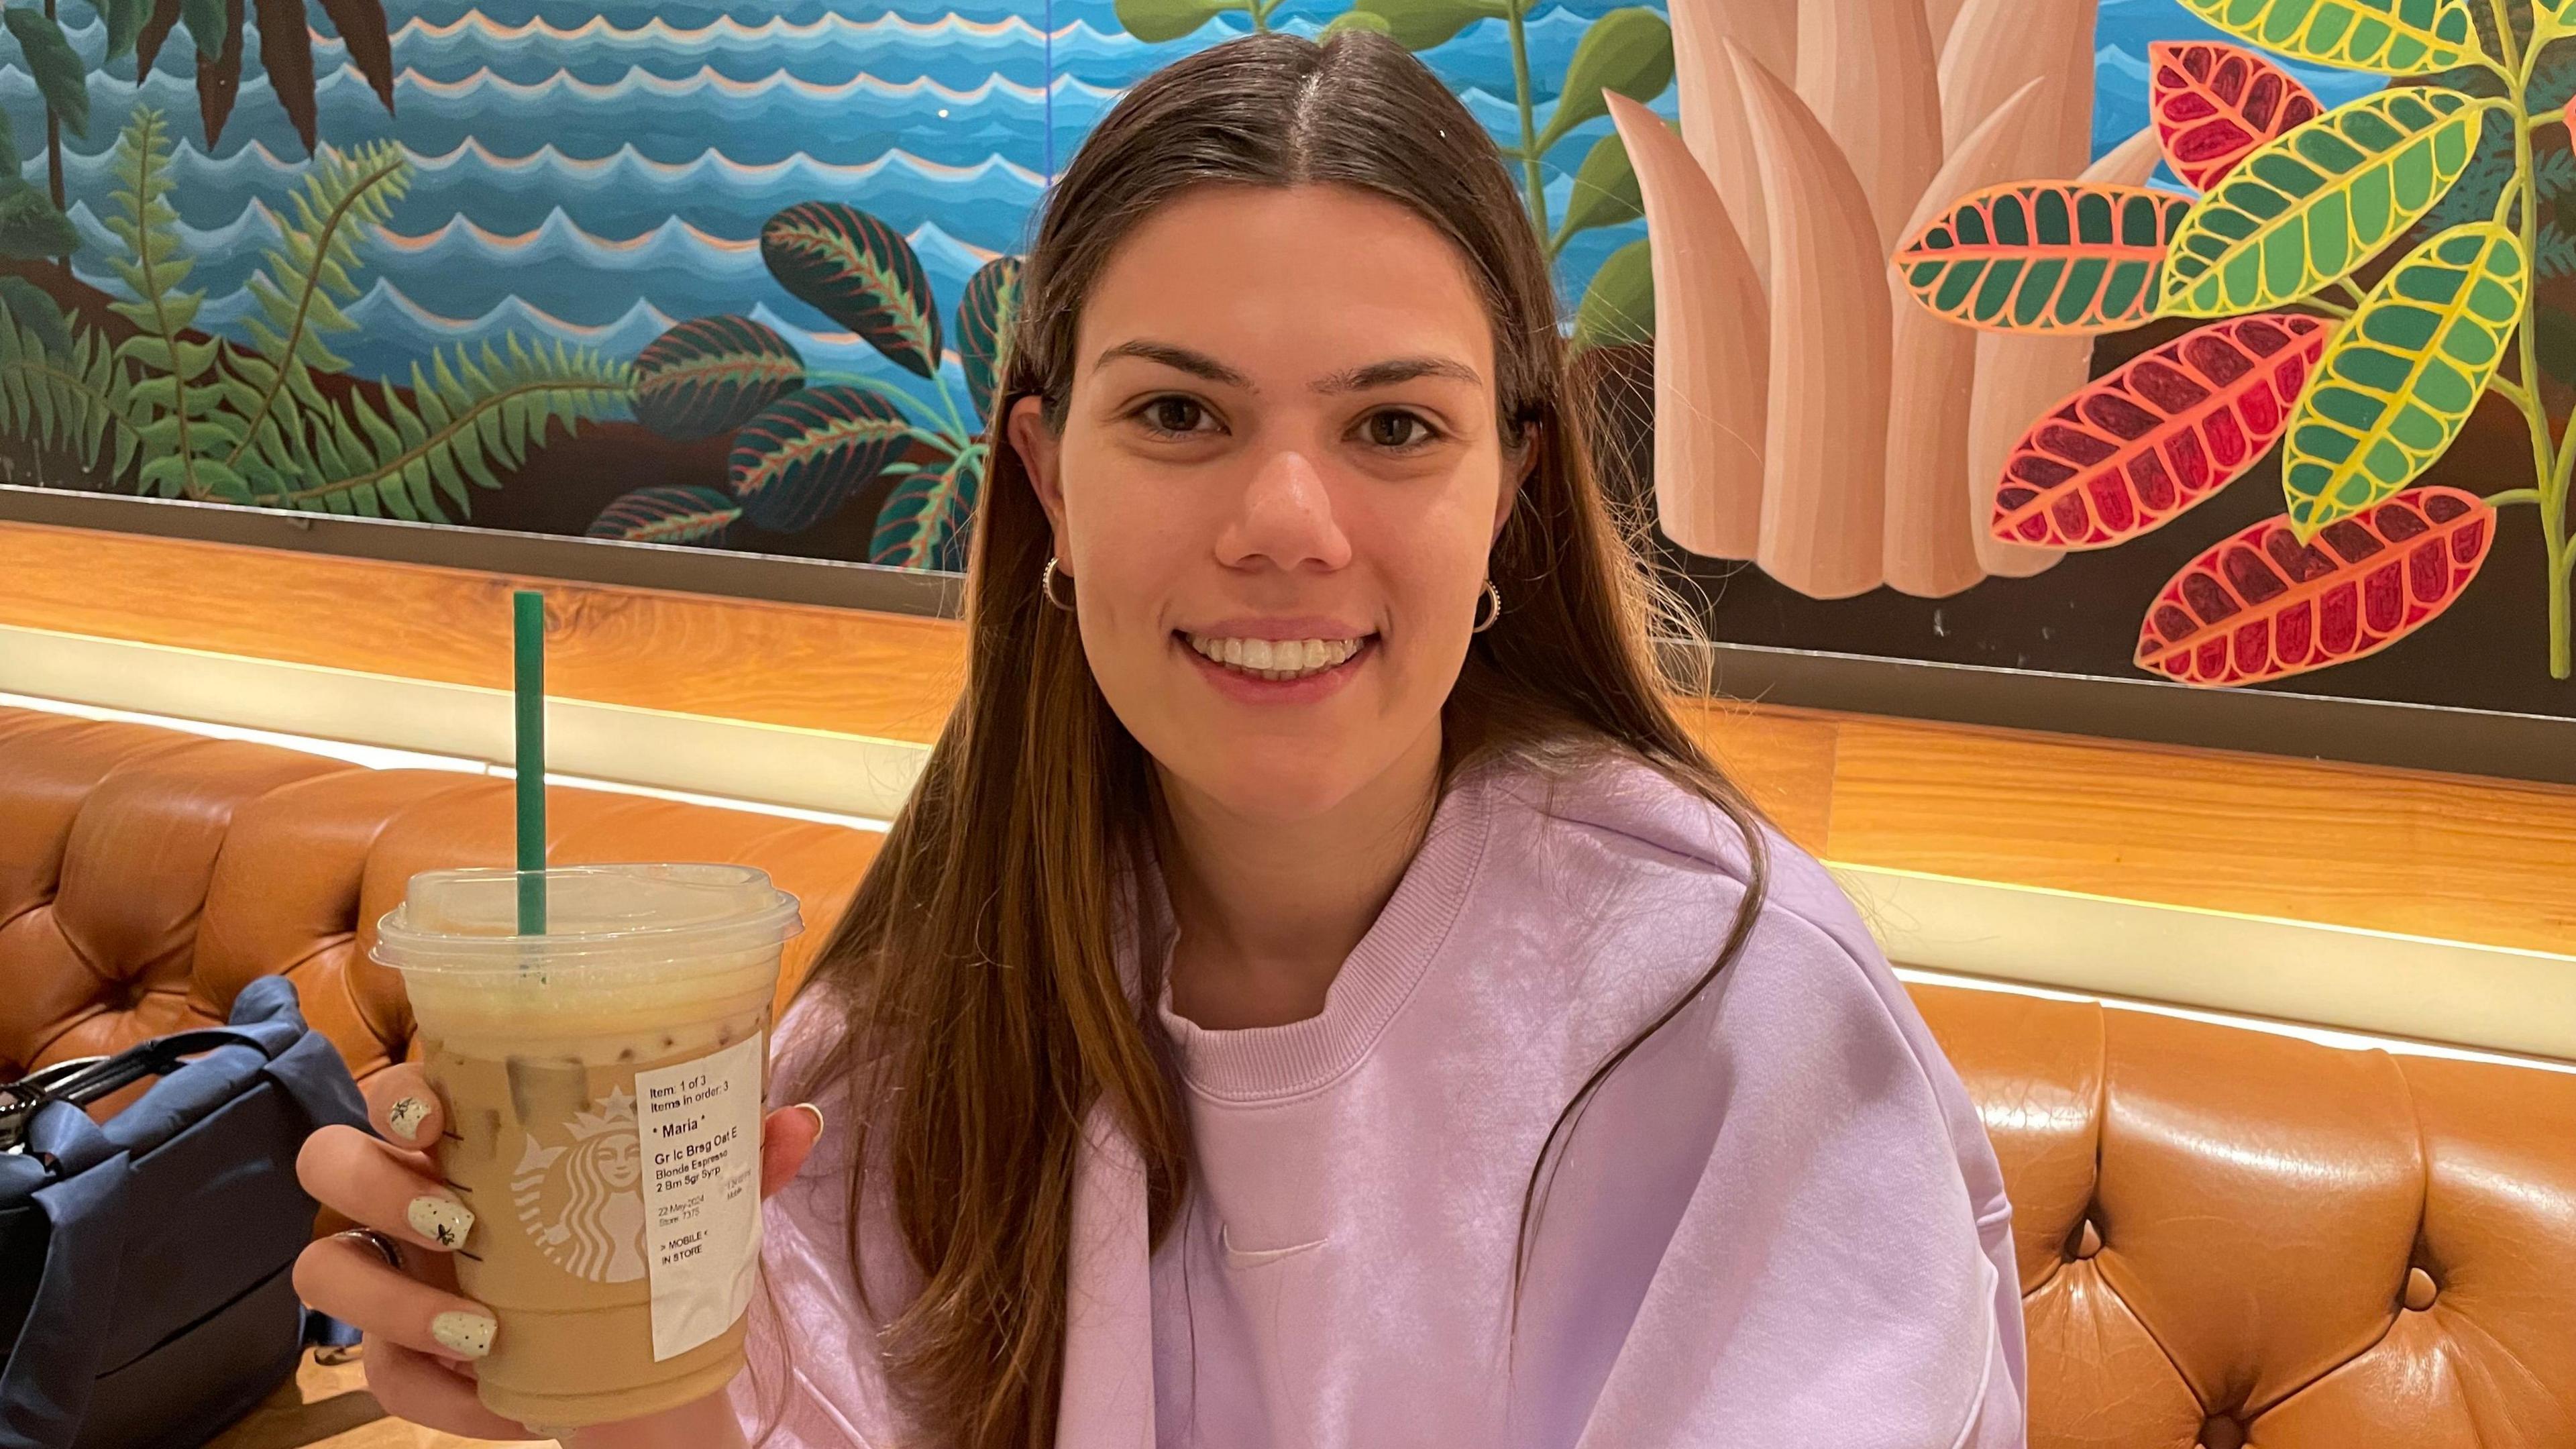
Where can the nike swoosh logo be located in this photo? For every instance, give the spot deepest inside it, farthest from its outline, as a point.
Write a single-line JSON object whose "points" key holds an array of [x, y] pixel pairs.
{"points": [[1254, 1257]]}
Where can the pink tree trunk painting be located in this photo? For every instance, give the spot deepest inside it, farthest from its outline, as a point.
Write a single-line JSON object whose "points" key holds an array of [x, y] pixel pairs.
{"points": [[1823, 132]]}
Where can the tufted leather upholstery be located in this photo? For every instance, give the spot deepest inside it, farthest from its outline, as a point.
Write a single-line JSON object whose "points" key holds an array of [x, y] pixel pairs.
{"points": [[146, 875], [2229, 1237], [2226, 1237]]}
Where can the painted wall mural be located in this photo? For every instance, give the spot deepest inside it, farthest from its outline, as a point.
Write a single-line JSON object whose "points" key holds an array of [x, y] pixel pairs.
{"points": [[2221, 341], [742, 267], [2281, 320]]}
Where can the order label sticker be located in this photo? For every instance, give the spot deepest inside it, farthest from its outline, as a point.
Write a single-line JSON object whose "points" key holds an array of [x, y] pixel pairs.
{"points": [[700, 1125]]}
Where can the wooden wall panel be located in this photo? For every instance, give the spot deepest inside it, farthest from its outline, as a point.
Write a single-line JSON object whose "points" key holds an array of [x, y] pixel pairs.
{"points": [[2431, 855], [2451, 856], [1783, 759], [876, 674]]}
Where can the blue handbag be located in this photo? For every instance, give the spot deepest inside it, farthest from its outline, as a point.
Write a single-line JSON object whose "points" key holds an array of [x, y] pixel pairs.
{"points": [[145, 1296]]}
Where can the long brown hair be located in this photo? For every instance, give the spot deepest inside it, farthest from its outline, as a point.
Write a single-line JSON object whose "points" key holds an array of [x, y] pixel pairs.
{"points": [[978, 961]]}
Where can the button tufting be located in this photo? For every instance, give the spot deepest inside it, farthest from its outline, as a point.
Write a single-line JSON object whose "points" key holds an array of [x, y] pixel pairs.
{"points": [[2220, 1432], [2088, 1240], [2420, 1290]]}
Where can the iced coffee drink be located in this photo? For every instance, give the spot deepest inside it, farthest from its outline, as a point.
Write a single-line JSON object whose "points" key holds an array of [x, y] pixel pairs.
{"points": [[603, 1084]]}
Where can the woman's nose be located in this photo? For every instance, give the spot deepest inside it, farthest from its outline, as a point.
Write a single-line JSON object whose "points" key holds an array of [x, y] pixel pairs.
{"points": [[1287, 512]]}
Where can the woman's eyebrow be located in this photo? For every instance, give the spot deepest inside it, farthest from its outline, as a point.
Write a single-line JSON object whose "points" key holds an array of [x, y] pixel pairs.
{"points": [[1197, 364], [1395, 370], [1356, 379]]}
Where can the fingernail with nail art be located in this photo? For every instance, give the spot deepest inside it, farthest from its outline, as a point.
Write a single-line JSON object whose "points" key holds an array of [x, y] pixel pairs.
{"points": [[442, 1220], [405, 1117], [466, 1334]]}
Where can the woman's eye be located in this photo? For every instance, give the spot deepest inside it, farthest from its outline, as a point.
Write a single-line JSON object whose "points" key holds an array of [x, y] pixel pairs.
{"points": [[1396, 430], [1174, 415]]}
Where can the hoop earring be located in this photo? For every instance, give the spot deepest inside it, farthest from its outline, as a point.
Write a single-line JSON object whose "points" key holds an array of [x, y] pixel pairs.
{"points": [[1046, 586], [1496, 595]]}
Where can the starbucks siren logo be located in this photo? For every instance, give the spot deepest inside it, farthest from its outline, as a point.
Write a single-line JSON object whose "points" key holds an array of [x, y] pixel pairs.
{"points": [[579, 1203]]}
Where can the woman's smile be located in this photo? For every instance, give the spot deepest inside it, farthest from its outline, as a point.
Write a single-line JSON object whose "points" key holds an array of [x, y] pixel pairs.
{"points": [[1289, 662]]}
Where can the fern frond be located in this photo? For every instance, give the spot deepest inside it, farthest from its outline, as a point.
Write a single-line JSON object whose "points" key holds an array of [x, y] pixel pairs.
{"points": [[70, 400], [2553, 173], [2554, 251], [300, 292], [175, 414], [399, 457]]}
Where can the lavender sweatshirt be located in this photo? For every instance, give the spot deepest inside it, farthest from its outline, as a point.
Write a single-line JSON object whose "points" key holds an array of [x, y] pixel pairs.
{"points": [[1778, 1223]]}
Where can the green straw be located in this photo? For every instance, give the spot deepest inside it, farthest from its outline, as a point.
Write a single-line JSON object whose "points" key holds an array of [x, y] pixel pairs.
{"points": [[528, 680]]}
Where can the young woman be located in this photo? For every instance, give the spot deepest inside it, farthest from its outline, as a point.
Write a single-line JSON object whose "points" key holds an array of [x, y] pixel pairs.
{"points": [[1319, 994]]}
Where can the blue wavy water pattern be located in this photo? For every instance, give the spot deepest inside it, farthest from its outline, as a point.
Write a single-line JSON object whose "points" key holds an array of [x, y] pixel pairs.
{"points": [[582, 174]]}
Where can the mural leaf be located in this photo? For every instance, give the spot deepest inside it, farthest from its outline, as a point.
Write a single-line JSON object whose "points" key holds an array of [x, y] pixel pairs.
{"points": [[300, 289], [801, 459], [2263, 605], [2398, 383], [205, 21], [710, 375], [58, 71], [173, 408], [1619, 306], [157, 26], [2492, 166], [30, 227], [1629, 51], [2553, 252], [1156, 21], [667, 515], [1417, 25], [124, 23], [983, 327], [2131, 451], [491, 405], [361, 24], [2213, 104], [2393, 37], [64, 396], [286, 54], [859, 272], [2044, 256], [1606, 192], [219, 79], [28, 305], [925, 522], [2309, 207]]}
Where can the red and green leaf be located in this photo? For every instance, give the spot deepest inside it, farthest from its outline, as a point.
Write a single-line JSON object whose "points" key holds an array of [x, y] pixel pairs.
{"points": [[711, 375], [983, 326], [2214, 104], [2044, 256], [859, 272], [2263, 605], [2129, 452], [797, 462], [925, 522], [667, 515]]}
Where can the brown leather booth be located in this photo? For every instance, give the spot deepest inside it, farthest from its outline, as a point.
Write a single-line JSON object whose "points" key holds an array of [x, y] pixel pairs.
{"points": [[2227, 1237]]}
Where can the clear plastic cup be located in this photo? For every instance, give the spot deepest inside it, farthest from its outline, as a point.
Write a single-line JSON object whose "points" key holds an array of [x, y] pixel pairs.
{"points": [[603, 1085]]}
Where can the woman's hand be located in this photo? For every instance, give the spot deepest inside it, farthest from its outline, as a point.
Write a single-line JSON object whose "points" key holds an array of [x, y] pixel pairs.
{"points": [[422, 1337]]}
